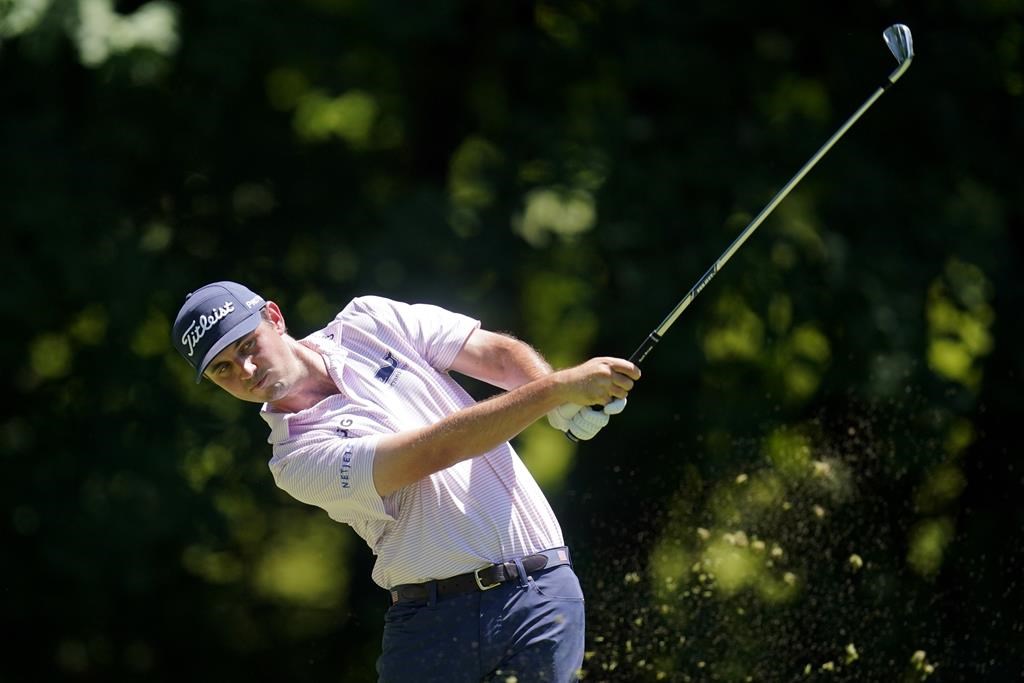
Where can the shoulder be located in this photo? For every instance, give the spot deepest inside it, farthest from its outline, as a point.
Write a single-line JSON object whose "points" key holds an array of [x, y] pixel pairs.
{"points": [[372, 303]]}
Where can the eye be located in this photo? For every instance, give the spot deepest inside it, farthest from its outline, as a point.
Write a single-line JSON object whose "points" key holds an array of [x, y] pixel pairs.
{"points": [[248, 345]]}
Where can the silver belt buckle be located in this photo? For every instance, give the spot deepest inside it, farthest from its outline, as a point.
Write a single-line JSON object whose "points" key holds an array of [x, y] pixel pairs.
{"points": [[480, 584]]}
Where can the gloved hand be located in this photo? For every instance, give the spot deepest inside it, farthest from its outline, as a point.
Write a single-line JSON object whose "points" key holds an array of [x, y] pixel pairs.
{"points": [[560, 417], [584, 422]]}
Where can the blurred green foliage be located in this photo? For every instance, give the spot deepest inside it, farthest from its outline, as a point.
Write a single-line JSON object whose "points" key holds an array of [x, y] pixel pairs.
{"points": [[818, 477]]}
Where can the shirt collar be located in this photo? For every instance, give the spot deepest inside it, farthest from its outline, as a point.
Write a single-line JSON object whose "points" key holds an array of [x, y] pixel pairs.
{"points": [[326, 344]]}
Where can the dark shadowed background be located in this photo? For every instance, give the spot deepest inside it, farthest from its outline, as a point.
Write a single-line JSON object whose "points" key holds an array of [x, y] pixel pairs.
{"points": [[818, 477]]}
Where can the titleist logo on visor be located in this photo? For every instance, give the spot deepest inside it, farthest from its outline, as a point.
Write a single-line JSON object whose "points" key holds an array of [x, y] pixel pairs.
{"points": [[204, 323]]}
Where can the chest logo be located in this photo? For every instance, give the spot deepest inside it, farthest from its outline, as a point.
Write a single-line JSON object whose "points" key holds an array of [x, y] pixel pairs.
{"points": [[386, 374]]}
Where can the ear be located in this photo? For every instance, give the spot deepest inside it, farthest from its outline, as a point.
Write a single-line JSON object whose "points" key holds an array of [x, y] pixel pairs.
{"points": [[275, 317]]}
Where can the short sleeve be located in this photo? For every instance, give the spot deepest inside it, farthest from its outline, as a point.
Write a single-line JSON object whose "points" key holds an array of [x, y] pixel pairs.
{"points": [[436, 333], [333, 474]]}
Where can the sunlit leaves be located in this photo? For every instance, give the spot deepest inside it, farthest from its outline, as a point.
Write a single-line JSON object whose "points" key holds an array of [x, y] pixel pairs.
{"points": [[156, 237], [200, 464], [737, 333], [943, 484], [215, 566], [285, 87], [355, 116], [801, 360], [555, 211], [349, 116], [152, 337], [559, 318], [19, 16], [252, 199], [796, 361], [314, 307], [547, 453], [796, 100], [557, 25], [470, 189], [959, 319], [789, 451], [468, 185], [50, 356], [102, 32], [929, 540], [304, 563]]}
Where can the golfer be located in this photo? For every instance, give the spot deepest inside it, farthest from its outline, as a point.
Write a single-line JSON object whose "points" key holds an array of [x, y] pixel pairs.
{"points": [[367, 422]]}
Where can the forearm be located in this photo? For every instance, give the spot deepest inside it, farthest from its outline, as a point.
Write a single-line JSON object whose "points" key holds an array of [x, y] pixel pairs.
{"points": [[409, 456]]}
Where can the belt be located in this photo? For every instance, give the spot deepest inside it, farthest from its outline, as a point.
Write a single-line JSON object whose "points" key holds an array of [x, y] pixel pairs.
{"points": [[483, 579]]}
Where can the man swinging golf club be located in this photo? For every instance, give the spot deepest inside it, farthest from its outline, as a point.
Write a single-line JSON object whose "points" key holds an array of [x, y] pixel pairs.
{"points": [[367, 422]]}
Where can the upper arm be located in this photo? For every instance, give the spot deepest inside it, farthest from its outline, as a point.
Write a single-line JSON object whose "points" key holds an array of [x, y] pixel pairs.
{"points": [[499, 360], [336, 474]]}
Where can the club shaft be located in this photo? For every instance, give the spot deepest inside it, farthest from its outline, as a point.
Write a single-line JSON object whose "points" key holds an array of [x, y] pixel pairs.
{"points": [[905, 56], [655, 336]]}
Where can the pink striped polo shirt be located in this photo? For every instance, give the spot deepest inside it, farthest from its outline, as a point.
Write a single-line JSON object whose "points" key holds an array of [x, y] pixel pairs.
{"points": [[389, 361]]}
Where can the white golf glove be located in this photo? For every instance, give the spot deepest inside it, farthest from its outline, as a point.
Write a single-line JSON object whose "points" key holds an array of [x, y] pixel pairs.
{"points": [[584, 422], [560, 417]]}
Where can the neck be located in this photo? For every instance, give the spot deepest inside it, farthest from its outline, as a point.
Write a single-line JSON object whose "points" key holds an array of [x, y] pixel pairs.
{"points": [[314, 385]]}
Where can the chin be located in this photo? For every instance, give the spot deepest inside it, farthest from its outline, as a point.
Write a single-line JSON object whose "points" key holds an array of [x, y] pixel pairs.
{"points": [[275, 392]]}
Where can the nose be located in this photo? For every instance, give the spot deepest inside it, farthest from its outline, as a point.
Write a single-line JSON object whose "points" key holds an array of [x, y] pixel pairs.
{"points": [[248, 367]]}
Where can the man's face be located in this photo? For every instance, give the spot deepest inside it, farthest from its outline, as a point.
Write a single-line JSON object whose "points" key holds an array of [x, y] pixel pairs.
{"points": [[259, 367]]}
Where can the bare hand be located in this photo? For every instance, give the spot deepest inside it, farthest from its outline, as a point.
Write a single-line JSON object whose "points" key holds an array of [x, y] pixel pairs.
{"points": [[599, 381]]}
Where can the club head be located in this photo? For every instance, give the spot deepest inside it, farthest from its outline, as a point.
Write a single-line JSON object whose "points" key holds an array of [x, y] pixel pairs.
{"points": [[900, 42]]}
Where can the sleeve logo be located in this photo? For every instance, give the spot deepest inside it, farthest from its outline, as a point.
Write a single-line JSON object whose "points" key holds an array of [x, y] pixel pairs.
{"points": [[346, 469]]}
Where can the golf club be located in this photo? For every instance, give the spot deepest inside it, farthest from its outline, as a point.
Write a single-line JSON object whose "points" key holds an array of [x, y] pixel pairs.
{"points": [[901, 44]]}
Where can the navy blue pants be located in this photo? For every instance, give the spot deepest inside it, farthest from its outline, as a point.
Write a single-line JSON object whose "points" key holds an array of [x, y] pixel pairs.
{"points": [[528, 630]]}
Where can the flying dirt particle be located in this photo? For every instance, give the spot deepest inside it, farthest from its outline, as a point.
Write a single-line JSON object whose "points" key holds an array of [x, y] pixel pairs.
{"points": [[789, 578], [851, 653], [856, 562], [631, 578], [703, 533], [819, 511], [738, 539], [758, 546], [741, 479], [776, 550], [821, 469], [511, 679], [919, 660], [828, 666]]}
